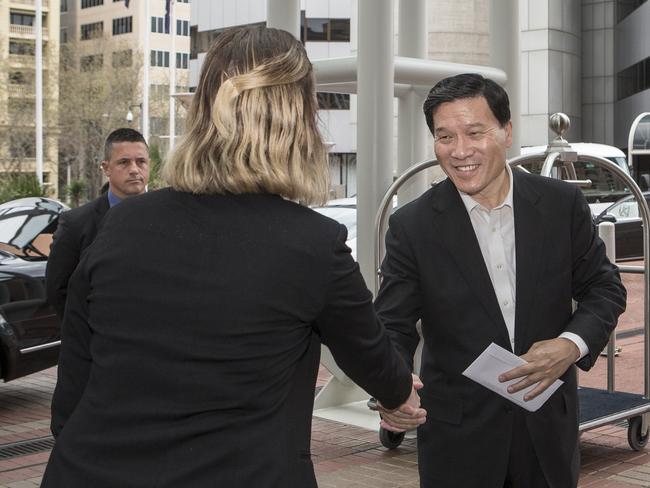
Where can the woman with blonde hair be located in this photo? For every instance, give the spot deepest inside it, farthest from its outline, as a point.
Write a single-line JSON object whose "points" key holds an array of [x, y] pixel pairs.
{"points": [[193, 325]]}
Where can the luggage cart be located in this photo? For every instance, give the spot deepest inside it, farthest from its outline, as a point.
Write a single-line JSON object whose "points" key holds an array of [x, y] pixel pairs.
{"points": [[598, 407]]}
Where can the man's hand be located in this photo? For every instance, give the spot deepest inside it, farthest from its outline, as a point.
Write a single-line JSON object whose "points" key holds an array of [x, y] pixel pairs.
{"points": [[406, 417], [547, 361]]}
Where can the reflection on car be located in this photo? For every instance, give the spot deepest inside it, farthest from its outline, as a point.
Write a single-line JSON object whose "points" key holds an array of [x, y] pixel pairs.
{"points": [[344, 211], [30, 332], [606, 187], [628, 229]]}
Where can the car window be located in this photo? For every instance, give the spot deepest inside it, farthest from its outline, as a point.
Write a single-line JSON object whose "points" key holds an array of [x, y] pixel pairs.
{"points": [[605, 185], [20, 230], [625, 210]]}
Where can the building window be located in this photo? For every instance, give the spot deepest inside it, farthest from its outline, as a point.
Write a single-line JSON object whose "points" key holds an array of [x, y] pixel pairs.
{"points": [[633, 79], [123, 59], [158, 25], [333, 101], [93, 62], [91, 3], [316, 29], [340, 30], [159, 93], [324, 30], [22, 145], [193, 41], [21, 48], [160, 58], [157, 125], [22, 19], [182, 60], [122, 25], [92, 31], [626, 7], [63, 38], [17, 78], [182, 27], [19, 109], [183, 1], [200, 41], [64, 6]]}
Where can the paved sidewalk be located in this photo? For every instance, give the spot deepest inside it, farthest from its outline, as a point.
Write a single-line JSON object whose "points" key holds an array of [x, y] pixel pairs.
{"points": [[351, 457]]}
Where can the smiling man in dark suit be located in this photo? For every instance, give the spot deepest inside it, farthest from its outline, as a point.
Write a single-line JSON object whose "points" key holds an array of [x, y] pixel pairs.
{"points": [[495, 255], [126, 166]]}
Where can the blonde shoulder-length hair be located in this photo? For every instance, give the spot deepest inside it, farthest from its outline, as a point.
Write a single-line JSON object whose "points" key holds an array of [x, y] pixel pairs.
{"points": [[252, 126]]}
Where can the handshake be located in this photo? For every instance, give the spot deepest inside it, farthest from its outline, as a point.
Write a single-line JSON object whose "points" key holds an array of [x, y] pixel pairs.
{"points": [[408, 416]]}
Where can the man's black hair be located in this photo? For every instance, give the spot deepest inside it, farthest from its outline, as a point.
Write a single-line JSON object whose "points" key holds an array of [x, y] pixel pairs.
{"points": [[125, 134], [468, 85]]}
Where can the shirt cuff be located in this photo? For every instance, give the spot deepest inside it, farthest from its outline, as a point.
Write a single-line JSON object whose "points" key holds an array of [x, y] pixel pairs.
{"points": [[578, 341]]}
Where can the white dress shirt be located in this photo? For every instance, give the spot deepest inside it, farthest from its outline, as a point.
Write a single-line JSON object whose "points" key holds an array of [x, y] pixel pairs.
{"points": [[495, 232]]}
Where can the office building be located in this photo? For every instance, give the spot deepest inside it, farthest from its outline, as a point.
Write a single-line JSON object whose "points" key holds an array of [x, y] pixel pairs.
{"points": [[131, 29], [17, 89]]}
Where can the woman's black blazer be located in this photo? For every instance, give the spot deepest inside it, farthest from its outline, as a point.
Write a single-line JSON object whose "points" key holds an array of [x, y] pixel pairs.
{"points": [[191, 344]]}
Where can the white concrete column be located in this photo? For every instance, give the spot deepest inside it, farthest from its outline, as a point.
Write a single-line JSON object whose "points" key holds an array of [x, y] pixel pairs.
{"points": [[172, 79], [285, 15], [504, 54], [411, 127], [375, 72]]}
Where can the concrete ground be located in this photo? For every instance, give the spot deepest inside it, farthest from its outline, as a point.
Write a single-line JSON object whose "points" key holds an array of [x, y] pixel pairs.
{"points": [[348, 456]]}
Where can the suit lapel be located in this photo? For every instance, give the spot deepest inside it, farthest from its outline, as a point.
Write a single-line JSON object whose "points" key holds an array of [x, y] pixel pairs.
{"points": [[529, 245], [102, 205], [457, 233]]}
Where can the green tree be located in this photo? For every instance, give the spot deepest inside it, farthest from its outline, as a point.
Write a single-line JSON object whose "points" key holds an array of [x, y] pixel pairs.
{"points": [[155, 166], [75, 192], [20, 185]]}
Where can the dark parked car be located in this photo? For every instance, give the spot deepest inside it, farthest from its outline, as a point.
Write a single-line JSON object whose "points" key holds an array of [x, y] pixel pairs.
{"points": [[30, 333], [629, 235]]}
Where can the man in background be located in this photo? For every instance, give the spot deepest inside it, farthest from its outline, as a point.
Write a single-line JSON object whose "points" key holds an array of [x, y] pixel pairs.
{"points": [[126, 166]]}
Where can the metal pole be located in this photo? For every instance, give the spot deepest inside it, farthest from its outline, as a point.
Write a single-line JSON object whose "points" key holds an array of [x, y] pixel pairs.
{"points": [[606, 231], [144, 113], [384, 207], [411, 128], [504, 54], [285, 15], [172, 78], [68, 179], [38, 27], [375, 121], [630, 144], [142, 120]]}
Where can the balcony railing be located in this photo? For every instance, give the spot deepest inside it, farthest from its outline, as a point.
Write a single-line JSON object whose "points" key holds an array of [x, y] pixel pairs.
{"points": [[21, 91], [25, 30], [31, 3], [25, 60]]}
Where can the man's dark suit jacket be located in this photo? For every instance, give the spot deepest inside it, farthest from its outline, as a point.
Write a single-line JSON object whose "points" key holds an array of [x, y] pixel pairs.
{"points": [[76, 230], [191, 344], [434, 271]]}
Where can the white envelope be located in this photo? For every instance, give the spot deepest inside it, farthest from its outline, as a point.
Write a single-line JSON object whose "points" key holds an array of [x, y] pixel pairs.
{"points": [[496, 360]]}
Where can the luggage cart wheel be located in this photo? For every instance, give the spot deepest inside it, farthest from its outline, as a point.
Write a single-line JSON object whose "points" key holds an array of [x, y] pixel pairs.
{"points": [[635, 438], [390, 440]]}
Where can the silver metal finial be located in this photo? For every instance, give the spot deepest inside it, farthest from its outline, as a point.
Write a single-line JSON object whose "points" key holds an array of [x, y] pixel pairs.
{"points": [[559, 123]]}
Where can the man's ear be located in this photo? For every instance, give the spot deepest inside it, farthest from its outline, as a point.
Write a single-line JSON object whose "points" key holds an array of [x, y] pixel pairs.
{"points": [[104, 166], [508, 129]]}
